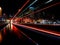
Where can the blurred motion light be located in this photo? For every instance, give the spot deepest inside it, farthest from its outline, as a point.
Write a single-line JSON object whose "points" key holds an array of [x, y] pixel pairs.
{"points": [[0, 37], [0, 11], [7, 21], [0, 8], [31, 8], [48, 1]]}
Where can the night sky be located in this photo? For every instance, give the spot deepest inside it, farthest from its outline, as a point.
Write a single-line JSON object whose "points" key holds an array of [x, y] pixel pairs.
{"points": [[12, 6]]}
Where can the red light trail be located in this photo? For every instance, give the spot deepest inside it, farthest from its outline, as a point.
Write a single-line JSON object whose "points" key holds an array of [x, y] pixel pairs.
{"points": [[4, 31], [16, 31], [41, 30], [21, 9], [19, 33], [43, 9]]}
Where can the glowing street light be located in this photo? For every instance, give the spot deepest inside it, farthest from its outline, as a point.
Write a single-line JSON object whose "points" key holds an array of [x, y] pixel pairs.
{"points": [[0, 8], [0, 11]]}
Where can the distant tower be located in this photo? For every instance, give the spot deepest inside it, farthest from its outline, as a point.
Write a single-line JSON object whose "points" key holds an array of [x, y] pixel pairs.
{"points": [[0, 12]]}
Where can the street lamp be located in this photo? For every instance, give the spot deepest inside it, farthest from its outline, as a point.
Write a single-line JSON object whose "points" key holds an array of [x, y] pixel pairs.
{"points": [[0, 11], [0, 8]]}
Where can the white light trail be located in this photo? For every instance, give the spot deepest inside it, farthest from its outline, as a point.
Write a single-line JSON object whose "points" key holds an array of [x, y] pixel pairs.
{"points": [[48, 1]]}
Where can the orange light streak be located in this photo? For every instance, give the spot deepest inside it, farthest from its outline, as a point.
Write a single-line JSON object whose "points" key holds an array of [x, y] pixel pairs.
{"points": [[0, 37]]}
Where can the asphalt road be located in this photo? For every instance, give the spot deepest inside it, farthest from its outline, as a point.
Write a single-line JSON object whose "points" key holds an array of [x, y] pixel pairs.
{"points": [[19, 35], [40, 37]]}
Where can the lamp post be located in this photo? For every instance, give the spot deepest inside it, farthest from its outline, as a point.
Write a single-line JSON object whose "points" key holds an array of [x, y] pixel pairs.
{"points": [[0, 11]]}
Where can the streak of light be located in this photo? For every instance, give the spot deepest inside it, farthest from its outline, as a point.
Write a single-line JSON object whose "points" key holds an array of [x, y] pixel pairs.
{"points": [[0, 37], [30, 5], [33, 3], [4, 31], [52, 24], [41, 30], [8, 26], [11, 24], [21, 9], [43, 8], [48, 1], [19, 32]]}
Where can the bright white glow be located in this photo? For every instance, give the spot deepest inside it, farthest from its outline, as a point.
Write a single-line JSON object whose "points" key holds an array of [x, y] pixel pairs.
{"points": [[11, 24], [7, 21], [0, 8], [11, 21], [48, 1]]}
